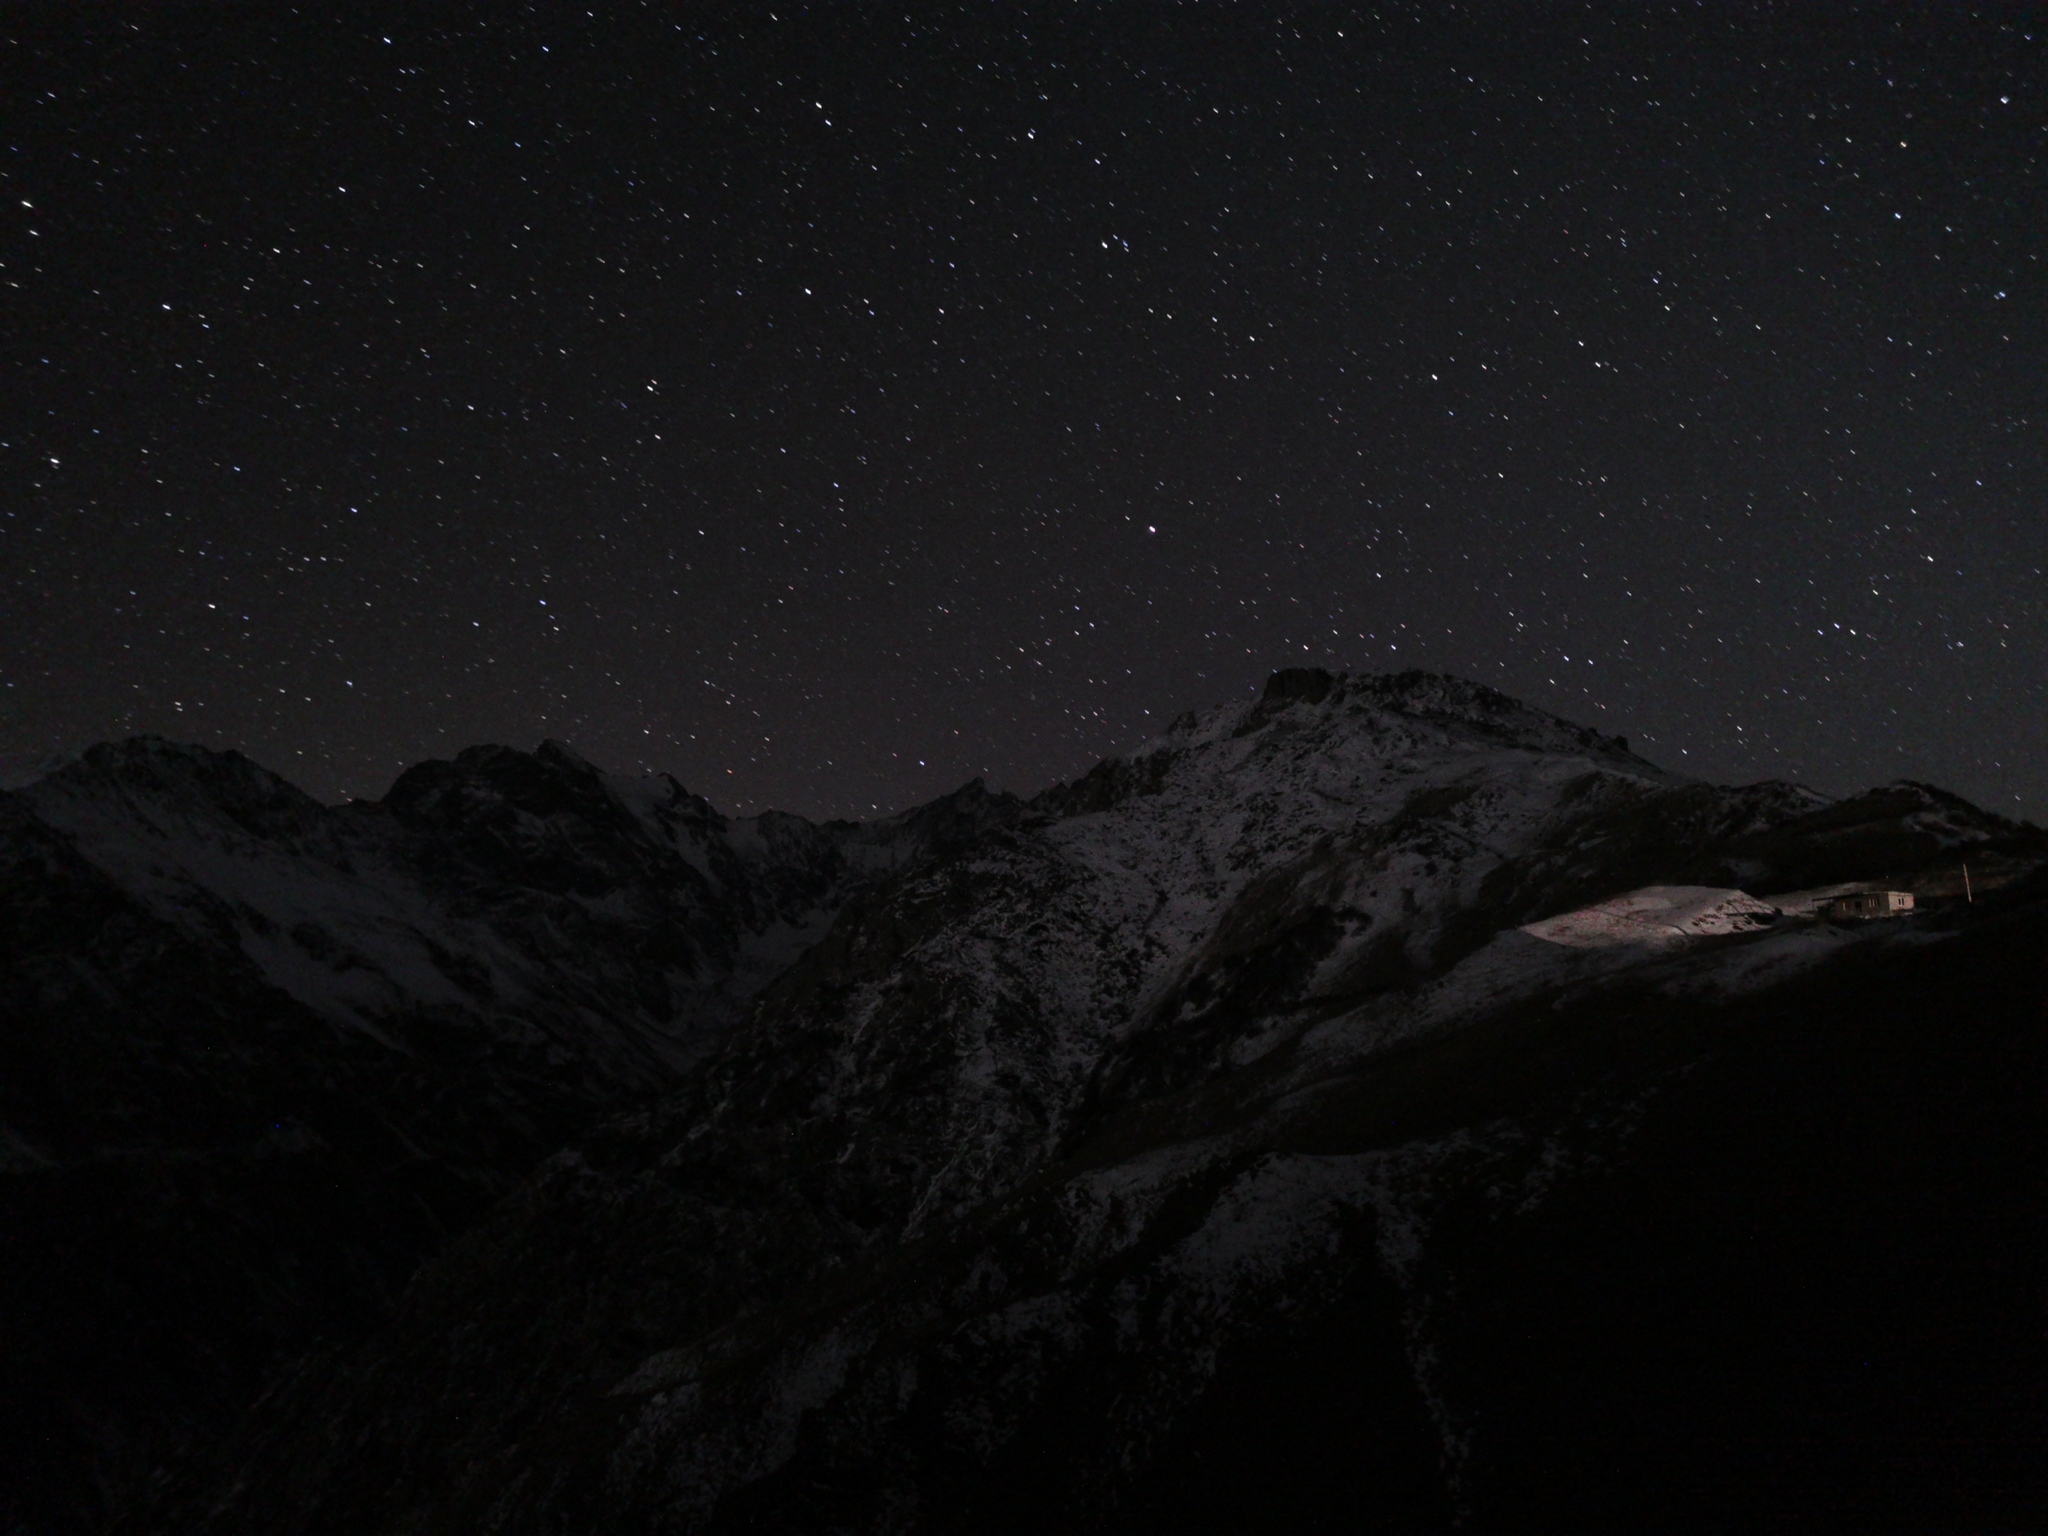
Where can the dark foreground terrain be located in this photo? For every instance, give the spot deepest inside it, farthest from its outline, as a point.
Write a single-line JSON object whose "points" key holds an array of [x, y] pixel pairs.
{"points": [[1199, 1146]]}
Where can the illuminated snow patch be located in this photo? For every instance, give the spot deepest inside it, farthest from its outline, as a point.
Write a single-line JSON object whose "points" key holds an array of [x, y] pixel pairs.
{"points": [[1656, 914]]}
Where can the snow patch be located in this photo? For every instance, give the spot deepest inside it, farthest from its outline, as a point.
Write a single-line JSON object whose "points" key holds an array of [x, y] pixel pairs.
{"points": [[1656, 914]]}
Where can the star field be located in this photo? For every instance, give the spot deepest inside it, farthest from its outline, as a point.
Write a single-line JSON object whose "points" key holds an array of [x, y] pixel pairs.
{"points": [[829, 406]]}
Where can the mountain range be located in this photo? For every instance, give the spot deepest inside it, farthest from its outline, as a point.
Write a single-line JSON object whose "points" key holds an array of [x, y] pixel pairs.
{"points": [[1215, 1142]]}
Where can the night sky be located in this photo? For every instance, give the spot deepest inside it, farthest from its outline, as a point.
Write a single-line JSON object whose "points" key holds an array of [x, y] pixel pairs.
{"points": [[829, 406]]}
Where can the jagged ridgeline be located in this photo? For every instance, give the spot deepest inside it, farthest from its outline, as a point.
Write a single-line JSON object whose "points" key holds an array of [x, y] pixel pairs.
{"points": [[1201, 1145], [259, 1057]]}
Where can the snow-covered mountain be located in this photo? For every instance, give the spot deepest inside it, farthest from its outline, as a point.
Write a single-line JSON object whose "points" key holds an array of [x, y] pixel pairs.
{"points": [[1155, 1154], [612, 924], [1081, 1156]]}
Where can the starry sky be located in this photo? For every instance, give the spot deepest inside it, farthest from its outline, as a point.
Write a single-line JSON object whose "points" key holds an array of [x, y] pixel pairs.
{"points": [[829, 405]]}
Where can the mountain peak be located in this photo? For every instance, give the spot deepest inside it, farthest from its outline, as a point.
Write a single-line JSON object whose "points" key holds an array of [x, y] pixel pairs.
{"points": [[1290, 683], [499, 780], [165, 783], [1452, 711]]}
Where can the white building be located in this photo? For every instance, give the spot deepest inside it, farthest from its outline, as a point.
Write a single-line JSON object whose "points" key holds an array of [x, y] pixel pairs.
{"points": [[1865, 904]]}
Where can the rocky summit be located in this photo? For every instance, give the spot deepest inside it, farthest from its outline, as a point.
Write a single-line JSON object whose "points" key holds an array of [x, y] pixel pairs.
{"points": [[1212, 1143]]}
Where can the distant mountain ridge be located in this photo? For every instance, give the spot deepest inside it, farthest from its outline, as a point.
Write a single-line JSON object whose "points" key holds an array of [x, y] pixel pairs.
{"points": [[260, 1055], [938, 1128]]}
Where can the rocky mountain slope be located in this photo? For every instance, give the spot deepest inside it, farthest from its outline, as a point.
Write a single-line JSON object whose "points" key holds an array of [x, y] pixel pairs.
{"points": [[1200, 1146], [259, 1057]]}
